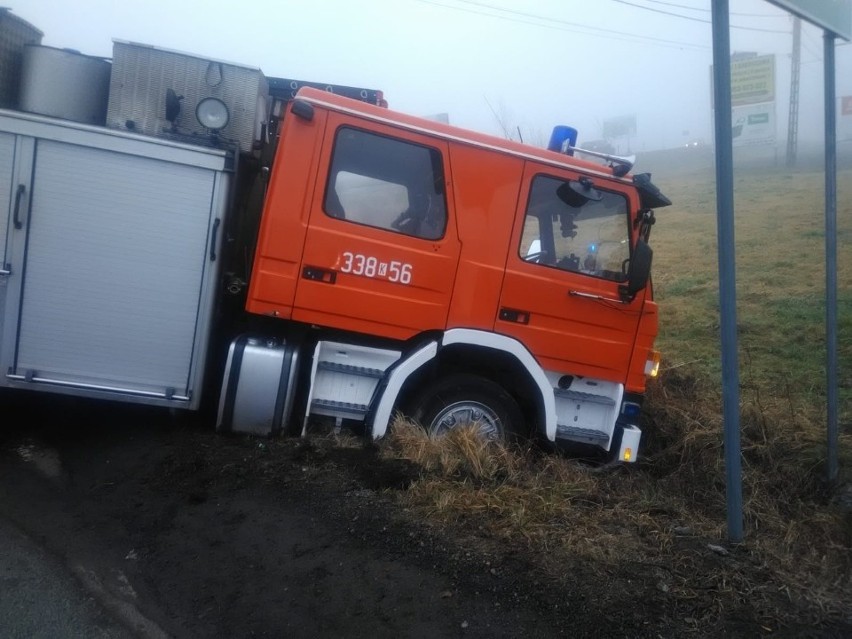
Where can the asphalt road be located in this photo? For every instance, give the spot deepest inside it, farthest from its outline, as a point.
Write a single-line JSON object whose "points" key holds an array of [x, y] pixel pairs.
{"points": [[41, 597]]}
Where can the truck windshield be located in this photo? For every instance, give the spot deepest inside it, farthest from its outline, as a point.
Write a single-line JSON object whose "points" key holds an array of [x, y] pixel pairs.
{"points": [[574, 226]]}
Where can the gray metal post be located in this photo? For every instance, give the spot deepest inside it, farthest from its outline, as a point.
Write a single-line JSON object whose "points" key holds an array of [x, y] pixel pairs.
{"points": [[830, 255], [727, 266]]}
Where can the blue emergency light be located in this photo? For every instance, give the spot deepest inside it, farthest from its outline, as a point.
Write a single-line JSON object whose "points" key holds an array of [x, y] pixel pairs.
{"points": [[562, 134]]}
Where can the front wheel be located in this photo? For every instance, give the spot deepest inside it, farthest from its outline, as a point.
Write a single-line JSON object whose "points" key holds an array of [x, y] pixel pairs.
{"points": [[462, 399]]}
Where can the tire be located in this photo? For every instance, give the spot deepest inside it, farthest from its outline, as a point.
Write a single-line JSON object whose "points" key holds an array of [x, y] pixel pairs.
{"points": [[460, 399]]}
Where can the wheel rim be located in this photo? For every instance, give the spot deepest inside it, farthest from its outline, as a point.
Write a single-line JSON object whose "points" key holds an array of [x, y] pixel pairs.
{"points": [[467, 412]]}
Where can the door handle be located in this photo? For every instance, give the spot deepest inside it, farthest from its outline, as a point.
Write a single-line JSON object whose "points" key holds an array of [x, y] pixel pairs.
{"points": [[18, 195], [214, 236], [514, 315], [318, 274]]}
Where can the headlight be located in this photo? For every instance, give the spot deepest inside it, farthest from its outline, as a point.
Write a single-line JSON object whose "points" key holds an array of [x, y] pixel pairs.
{"points": [[652, 364]]}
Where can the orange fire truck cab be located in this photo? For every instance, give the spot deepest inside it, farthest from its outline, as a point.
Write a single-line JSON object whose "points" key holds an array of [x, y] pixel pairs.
{"points": [[451, 276]]}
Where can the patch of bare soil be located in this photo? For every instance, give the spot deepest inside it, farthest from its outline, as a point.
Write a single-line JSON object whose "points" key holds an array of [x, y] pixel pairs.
{"points": [[207, 535]]}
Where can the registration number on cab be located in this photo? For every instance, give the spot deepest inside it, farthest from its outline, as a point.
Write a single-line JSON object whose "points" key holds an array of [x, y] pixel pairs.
{"points": [[370, 266]]}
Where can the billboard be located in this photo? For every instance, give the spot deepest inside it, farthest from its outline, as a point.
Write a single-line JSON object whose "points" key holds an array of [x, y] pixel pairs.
{"points": [[753, 117], [753, 124], [753, 80]]}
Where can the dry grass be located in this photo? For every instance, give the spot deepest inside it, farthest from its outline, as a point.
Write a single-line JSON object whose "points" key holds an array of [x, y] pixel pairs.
{"points": [[462, 453], [660, 515], [651, 522]]}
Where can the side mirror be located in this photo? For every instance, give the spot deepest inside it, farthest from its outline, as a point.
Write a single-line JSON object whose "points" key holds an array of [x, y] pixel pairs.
{"points": [[639, 270]]}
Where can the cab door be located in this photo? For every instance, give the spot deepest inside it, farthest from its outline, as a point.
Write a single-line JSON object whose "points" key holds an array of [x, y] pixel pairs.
{"points": [[561, 293], [381, 248]]}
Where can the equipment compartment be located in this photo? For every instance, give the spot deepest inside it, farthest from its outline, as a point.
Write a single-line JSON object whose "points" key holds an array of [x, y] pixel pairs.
{"points": [[111, 258]]}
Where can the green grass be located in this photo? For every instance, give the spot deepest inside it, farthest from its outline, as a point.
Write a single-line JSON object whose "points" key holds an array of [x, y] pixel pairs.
{"points": [[780, 260]]}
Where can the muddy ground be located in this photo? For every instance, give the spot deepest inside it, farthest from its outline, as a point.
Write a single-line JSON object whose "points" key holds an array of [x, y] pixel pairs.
{"points": [[187, 533]]}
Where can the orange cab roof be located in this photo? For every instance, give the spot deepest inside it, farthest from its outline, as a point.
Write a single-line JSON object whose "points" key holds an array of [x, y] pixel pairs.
{"points": [[448, 132]]}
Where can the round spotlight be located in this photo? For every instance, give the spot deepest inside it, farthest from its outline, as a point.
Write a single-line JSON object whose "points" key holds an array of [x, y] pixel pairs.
{"points": [[212, 114]]}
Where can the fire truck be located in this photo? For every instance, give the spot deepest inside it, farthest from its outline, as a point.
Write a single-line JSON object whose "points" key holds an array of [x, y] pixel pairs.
{"points": [[186, 232]]}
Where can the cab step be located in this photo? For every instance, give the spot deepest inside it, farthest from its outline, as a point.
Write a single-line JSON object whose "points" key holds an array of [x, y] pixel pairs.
{"points": [[586, 410], [567, 393], [344, 378], [585, 435]]}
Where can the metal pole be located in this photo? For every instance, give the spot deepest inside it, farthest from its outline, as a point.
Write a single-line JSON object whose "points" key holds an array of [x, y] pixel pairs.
{"points": [[727, 266], [830, 255]]}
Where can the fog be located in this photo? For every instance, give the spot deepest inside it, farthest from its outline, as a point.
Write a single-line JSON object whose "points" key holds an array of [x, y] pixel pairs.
{"points": [[498, 66]]}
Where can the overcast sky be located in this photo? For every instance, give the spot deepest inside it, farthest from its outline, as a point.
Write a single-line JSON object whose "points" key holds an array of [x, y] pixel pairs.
{"points": [[488, 64]]}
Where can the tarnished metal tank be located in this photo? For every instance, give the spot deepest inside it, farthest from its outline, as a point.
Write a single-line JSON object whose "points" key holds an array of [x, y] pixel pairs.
{"points": [[64, 83]]}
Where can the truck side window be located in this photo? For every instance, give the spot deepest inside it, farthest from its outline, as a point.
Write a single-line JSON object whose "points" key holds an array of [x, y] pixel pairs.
{"points": [[573, 225], [387, 183]]}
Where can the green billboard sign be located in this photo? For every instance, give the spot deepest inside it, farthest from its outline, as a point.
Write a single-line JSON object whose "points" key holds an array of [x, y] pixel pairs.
{"points": [[831, 15]]}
